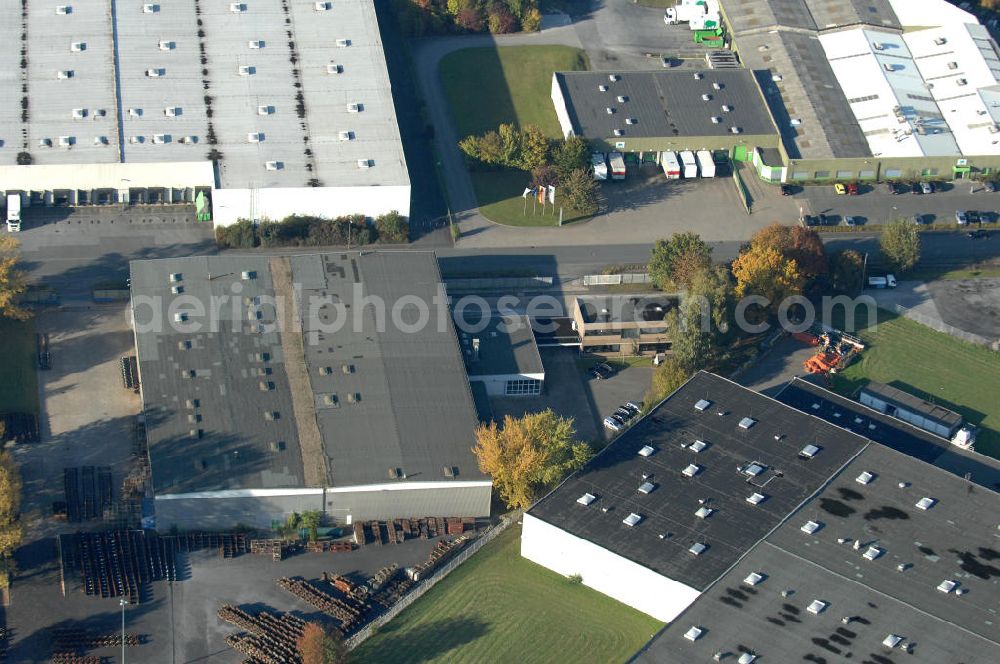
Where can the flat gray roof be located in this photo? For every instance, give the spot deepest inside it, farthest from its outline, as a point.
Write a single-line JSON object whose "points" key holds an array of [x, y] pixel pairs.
{"points": [[762, 15], [307, 142], [913, 403], [640, 308], [664, 104], [383, 397], [506, 344]]}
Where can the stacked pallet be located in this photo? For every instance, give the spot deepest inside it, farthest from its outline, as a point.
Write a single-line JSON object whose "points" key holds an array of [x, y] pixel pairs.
{"points": [[267, 639], [268, 547], [349, 613]]}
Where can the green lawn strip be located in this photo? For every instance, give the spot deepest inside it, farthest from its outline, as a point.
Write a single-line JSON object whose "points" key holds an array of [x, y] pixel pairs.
{"points": [[18, 377], [499, 607], [934, 366], [499, 197]]}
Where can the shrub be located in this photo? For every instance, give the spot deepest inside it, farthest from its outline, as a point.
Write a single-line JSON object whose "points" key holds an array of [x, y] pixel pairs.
{"points": [[240, 235], [532, 20], [392, 228]]}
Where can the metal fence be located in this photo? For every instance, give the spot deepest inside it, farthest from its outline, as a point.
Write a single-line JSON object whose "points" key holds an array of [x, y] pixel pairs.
{"points": [[426, 584], [615, 279], [941, 326]]}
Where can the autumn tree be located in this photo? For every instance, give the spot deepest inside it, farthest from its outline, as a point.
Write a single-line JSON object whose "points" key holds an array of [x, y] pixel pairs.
{"points": [[534, 148], [10, 510], [318, 646], [529, 454], [544, 176], [12, 283], [675, 261], [803, 245], [900, 244], [847, 270], [763, 271], [666, 378], [580, 191]]}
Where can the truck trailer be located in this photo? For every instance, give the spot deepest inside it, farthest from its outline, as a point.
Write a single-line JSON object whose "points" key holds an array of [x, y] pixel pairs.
{"points": [[690, 166], [695, 12], [671, 167], [13, 212], [600, 166], [617, 165], [705, 164]]}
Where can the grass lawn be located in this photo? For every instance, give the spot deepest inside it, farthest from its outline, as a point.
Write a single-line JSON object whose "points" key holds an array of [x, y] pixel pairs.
{"points": [[934, 366], [489, 86], [659, 4], [18, 379], [499, 607]]}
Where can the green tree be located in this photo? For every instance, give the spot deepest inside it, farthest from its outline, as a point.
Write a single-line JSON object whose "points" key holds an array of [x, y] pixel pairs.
{"points": [[701, 328], [10, 512], [900, 244], [392, 227], [569, 155], [580, 191], [12, 283], [529, 454], [534, 148], [531, 20], [677, 259], [510, 145], [666, 378], [847, 270]]}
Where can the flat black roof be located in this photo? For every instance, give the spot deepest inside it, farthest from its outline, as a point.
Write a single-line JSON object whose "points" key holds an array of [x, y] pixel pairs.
{"points": [[891, 432], [774, 442], [640, 308], [497, 345], [913, 403], [665, 104]]}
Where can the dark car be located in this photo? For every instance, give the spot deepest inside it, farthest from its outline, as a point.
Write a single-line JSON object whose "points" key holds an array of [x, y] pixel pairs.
{"points": [[927, 187], [810, 220], [974, 217], [915, 188], [786, 190], [853, 221], [979, 234], [601, 371], [894, 188], [990, 186], [852, 189], [624, 414]]}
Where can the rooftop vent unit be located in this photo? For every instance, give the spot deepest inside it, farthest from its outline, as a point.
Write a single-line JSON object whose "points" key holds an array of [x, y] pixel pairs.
{"points": [[255, 137], [947, 585], [619, 132], [176, 277], [646, 451], [697, 446], [586, 499], [266, 385], [255, 43], [156, 72], [79, 113], [609, 110], [343, 43], [614, 77], [809, 451], [630, 121], [622, 99], [354, 108], [277, 446], [100, 140], [271, 415], [150, 9], [776, 78], [602, 88], [364, 163], [726, 108], [160, 139], [694, 633], [702, 405], [888, 66], [323, 6], [716, 86], [353, 397], [756, 498], [167, 45], [247, 70], [188, 139], [45, 143], [396, 474], [795, 122], [64, 73], [940, 41], [274, 165], [753, 469], [753, 578], [706, 97], [811, 527], [248, 275], [345, 135], [716, 119], [961, 82], [817, 606], [135, 112], [632, 519], [747, 422], [692, 470], [698, 76], [450, 471], [172, 111], [334, 68], [926, 503], [865, 478], [952, 65], [330, 399], [698, 548], [747, 658], [704, 512], [325, 371], [180, 317], [735, 130], [264, 109], [62, 10], [66, 141], [872, 553], [646, 488], [101, 112], [78, 47], [237, 7], [177, 290], [892, 640], [878, 46]]}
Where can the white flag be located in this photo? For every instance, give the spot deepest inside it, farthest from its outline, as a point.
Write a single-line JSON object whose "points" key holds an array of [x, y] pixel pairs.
{"points": [[552, 194], [527, 191]]}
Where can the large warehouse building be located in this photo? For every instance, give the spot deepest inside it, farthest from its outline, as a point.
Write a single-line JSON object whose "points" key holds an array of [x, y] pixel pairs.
{"points": [[272, 108], [739, 519], [273, 385]]}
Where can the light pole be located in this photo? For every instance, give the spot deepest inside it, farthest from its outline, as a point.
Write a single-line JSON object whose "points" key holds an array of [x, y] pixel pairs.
{"points": [[348, 234], [123, 602]]}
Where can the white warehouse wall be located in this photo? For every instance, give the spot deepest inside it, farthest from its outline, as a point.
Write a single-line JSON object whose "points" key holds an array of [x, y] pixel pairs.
{"points": [[559, 103], [606, 572], [229, 205]]}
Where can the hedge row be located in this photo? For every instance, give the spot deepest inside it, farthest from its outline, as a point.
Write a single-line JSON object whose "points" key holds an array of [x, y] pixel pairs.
{"points": [[308, 231]]}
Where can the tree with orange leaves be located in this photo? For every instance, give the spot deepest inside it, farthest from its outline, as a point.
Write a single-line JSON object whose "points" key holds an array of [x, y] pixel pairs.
{"points": [[318, 646], [12, 282], [764, 271]]}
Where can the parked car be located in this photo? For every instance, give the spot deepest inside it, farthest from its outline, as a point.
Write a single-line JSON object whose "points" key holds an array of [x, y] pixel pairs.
{"points": [[810, 220], [786, 190], [852, 189], [623, 414], [960, 218], [840, 189], [890, 280], [978, 234], [927, 187], [666, 63], [601, 371], [636, 408], [613, 424], [918, 219], [894, 188], [990, 186], [852, 221], [915, 188], [974, 217]]}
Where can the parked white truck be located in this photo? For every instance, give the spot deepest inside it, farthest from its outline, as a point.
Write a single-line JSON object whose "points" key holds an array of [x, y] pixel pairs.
{"points": [[600, 166], [13, 213], [617, 162], [700, 14], [706, 164], [690, 166], [671, 167]]}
